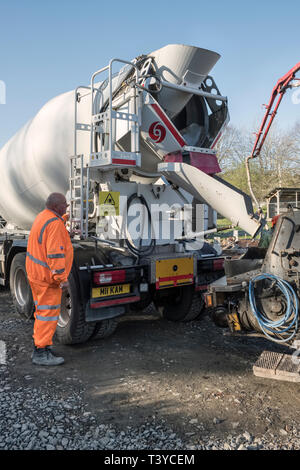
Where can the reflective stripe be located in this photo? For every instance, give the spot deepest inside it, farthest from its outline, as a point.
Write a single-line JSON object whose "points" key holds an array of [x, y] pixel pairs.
{"points": [[38, 317], [40, 239], [48, 307], [37, 261], [57, 215], [56, 255], [58, 271]]}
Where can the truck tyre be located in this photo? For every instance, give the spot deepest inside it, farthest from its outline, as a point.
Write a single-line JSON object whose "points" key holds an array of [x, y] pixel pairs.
{"points": [[141, 305], [105, 328], [20, 288], [151, 310], [197, 308], [177, 306], [72, 327]]}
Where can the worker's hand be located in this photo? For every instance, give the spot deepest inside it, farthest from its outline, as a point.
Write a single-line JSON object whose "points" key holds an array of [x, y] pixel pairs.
{"points": [[64, 285], [66, 217]]}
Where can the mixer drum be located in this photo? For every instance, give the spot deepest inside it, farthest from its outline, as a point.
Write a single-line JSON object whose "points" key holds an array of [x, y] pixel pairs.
{"points": [[35, 162]]}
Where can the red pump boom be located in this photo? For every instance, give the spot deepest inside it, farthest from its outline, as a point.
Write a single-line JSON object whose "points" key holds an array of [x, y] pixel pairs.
{"points": [[271, 109]]}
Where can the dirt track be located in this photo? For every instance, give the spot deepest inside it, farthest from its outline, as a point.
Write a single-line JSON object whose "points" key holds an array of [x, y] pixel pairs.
{"points": [[190, 377]]}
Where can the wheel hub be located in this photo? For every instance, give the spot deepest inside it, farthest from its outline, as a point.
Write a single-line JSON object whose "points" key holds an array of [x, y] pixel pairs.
{"points": [[65, 310], [22, 289]]}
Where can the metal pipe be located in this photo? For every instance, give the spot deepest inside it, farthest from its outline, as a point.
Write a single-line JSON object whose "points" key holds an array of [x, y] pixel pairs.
{"points": [[193, 91], [81, 194], [205, 232], [87, 202], [249, 181], [92, 104], [75, 118], [110, 94]]}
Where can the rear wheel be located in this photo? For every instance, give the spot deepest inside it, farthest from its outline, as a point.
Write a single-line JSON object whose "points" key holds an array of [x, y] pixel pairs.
{"points": [[197, 308], [20, 288], [72, 327], [178, 305], [141, 305], [105, 328]]}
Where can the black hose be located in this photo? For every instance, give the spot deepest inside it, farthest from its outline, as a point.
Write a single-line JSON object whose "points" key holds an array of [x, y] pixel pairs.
{"points": [[148, 249]]}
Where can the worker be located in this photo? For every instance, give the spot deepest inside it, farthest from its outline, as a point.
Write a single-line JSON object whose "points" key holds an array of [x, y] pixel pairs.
{"points": [[48, 264], [266, 235]]}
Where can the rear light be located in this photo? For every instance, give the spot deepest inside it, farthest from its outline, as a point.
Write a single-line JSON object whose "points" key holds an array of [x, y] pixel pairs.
{"points": [[109, 277], [218, 264]]}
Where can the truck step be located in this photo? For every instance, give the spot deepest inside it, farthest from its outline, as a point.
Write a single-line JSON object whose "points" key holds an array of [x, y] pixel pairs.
{"points": [[272, 365]]}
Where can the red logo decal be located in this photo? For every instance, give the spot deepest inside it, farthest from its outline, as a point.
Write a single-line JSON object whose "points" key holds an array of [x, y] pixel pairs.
{"points": [[157, 132]]}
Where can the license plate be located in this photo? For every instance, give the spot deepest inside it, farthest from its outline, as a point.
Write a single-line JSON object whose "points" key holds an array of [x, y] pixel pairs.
{"points": [[174, 272], [107, 291]]}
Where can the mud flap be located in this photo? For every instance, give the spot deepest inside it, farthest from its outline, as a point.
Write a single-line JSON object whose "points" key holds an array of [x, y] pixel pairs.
{"points": [[103, 313]]}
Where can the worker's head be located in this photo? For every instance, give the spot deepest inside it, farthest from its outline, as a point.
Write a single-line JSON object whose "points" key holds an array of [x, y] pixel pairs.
{"points": [[57, 202]]}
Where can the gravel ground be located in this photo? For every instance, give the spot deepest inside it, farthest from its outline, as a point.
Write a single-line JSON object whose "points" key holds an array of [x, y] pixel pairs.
{"points": [[154, 385]]}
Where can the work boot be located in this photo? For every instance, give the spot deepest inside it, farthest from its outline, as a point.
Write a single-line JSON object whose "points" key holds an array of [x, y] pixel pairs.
{"points": [[45, 357]]}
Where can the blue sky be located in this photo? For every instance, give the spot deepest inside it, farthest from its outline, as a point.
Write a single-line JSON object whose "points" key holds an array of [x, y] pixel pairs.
{"points": [[48, 47]]}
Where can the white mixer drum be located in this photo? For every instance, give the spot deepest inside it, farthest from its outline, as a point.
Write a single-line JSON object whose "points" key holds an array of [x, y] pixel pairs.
{"points": [[35, 162]]}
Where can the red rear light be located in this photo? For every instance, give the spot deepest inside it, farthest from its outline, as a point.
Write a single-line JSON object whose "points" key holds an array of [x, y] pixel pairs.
{"points": [[109, 277], [218, 264]]}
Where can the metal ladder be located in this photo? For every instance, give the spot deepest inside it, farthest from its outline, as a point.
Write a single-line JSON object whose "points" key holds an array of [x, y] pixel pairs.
{"points": [[106, 122], [78, 186], [78, 180], [106, 159]]}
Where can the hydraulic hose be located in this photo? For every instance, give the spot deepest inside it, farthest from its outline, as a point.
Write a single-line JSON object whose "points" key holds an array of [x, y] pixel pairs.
{"points": [[146, 250], [284, 329]]}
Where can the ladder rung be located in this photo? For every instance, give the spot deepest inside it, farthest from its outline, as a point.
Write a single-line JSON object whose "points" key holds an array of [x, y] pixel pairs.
{"points": [[75, 157]]}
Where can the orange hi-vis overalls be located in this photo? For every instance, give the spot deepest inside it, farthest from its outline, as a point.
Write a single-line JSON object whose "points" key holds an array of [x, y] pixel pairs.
{"points": [[48, 263]]}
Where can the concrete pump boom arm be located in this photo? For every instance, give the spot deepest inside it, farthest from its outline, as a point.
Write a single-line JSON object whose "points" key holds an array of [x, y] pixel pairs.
{"points": [[278, 92]]}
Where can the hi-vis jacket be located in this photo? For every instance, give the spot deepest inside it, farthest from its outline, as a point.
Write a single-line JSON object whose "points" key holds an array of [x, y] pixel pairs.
{"points": [[49, 250]]}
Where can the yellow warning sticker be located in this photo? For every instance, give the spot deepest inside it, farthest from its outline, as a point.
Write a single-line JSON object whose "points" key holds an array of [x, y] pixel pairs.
{"points": [[109, 203]]}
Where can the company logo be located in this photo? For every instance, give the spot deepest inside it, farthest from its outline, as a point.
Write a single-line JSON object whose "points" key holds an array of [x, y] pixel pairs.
{"points": [[157, 132], [2, 92]]}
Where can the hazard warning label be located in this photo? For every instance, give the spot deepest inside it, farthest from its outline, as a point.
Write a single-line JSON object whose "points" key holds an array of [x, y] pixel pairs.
{"points": [[109, 203]]}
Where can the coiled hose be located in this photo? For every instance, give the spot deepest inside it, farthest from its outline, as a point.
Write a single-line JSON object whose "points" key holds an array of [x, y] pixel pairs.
{"points": [[140, 250], [284, 329]]}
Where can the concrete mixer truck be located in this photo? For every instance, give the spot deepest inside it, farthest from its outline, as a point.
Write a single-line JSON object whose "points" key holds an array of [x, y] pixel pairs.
{"points": [[134, 153]]}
